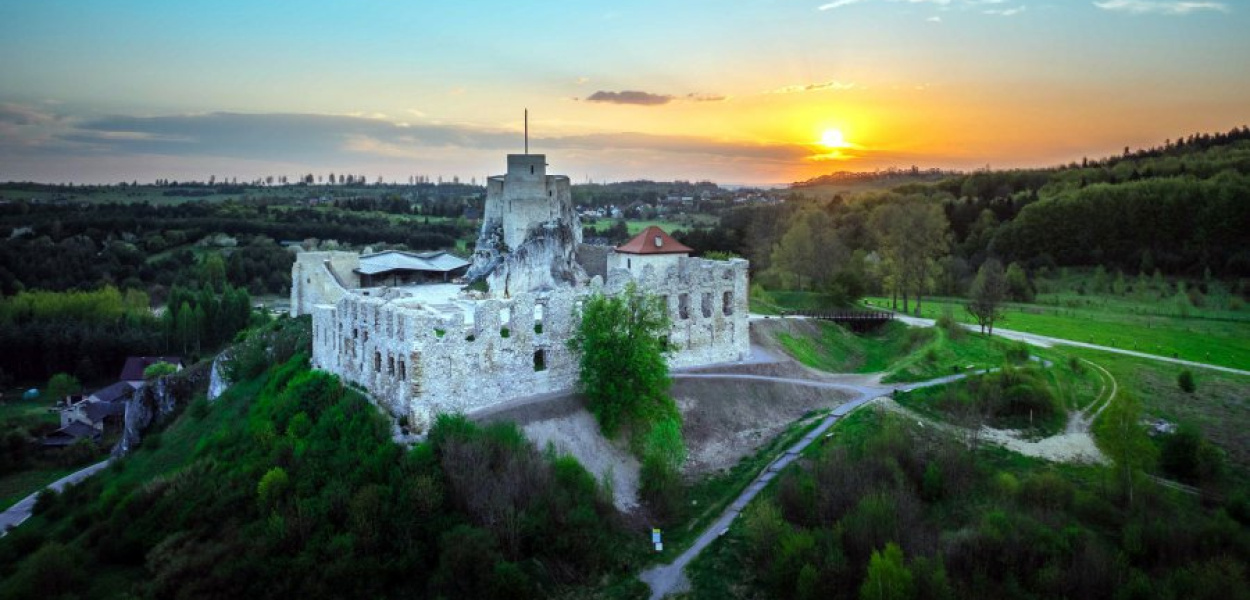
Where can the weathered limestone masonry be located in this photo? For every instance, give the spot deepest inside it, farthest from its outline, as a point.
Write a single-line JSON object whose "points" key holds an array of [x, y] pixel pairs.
{"points": [[418, 362], [322, 278], [530, 231]]}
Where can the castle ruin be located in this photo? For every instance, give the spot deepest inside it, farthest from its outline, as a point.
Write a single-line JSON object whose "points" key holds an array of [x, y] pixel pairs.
{"points": [[421, 350]]}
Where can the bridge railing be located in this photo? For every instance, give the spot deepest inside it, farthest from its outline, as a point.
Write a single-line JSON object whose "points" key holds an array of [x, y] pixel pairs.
{"points": [[842, 315]]}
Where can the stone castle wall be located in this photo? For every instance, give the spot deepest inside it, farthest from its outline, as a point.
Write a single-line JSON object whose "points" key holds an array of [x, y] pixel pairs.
{"points": [[322, 278], [419, 364]]}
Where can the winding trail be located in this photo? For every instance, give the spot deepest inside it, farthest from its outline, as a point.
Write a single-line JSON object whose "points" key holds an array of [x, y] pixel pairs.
{"points": [[670, 578], [18, 513]]}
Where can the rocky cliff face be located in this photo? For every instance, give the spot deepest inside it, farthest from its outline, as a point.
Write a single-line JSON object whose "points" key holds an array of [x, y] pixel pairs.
{"points": [[546, 260], [217, 383], [157, 401]]}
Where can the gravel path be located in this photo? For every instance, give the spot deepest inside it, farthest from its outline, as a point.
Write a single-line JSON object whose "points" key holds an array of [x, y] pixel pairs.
{"points": [[18, 513]]}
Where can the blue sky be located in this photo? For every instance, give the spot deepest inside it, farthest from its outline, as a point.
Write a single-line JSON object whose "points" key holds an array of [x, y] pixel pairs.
{"points": [[733, 91]]}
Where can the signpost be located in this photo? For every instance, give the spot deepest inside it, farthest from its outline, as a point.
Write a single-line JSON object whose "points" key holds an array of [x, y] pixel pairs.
{"points": [[655, 539]]}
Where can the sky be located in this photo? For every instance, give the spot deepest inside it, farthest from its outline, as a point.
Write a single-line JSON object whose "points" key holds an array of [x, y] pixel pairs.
{"points": [[740, 92]]}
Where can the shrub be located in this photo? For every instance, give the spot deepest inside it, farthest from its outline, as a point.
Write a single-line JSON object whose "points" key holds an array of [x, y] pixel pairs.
{"points": [[952, 327], [159, 369], [1017, 352], [1186, 381]]}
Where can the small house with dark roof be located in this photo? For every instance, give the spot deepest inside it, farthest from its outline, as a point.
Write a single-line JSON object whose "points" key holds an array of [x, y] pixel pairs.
{"points": [[652, 247], [132, 372], [67, 435], [395, 268]]}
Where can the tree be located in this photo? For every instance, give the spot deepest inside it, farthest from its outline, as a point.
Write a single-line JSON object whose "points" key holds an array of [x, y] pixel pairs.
{"points": [[986, 294], [1018, 286], [1186, 381], [888, 577], [62, 385], [664, 453], [160, 369], [1122, 437], [623, 374]]}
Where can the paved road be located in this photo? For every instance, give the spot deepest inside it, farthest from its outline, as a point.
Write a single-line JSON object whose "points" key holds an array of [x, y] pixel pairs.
{"points": [[18, 513], [666, 579], [670, 578]]}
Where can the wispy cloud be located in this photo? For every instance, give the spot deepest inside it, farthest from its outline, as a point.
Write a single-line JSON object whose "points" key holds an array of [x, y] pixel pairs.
{"points": [[706, 97], [1005, 12], [934, 19], [1161, 7], [630, 97], [813, 87], [838, 4]]}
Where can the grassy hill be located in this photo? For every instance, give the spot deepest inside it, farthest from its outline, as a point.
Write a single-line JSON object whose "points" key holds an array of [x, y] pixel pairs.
{"points": [[290, 486]]}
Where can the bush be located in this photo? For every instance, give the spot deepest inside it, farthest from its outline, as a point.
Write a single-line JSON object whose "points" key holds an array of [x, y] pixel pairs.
{"points": [[1017, 353], [952, 327], [1186, 381]]}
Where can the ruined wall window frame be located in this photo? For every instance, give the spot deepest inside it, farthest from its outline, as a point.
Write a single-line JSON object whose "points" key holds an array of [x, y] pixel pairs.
{"points": [[683, 306], [728, 303], [706, 305]]}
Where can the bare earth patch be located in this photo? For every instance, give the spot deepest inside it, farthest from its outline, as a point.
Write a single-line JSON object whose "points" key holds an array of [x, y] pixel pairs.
{"points": [[726, 420], [1074, 445]]}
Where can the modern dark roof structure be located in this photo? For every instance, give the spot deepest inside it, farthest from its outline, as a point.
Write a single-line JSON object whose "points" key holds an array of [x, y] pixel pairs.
{"points": [[396, 260], [653, 240], [98, 411], [118, 391], [71, 433], [135, 365]]}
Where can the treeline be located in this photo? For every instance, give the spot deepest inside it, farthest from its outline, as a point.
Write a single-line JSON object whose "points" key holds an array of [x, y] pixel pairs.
{"points": [[90, 334], [1179, 210], [1177, 224], [895, 511], [311, 498]]}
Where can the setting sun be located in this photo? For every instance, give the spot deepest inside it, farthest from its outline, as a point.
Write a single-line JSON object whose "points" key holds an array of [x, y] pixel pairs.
{"points": [[833, 138]]}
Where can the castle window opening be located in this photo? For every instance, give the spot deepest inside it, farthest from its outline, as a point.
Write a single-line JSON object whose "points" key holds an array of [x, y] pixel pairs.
{"points": [[403, 372], [728, 307], [390, 364], [538, 318], [629, 263], [707, 305], [377, 362], [683, 306], [355, 333], [540, 360]]}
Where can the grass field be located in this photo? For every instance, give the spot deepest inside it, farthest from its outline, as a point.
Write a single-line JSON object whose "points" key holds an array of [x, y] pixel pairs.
{"points": [[1220, 406], [635, 226], [1211, 338], [904, 353]]}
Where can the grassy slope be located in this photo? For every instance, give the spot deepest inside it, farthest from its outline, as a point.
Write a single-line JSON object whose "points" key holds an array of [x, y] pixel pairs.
{"points": [[903, 353], [1220, 407], [18, 485], [1216, 341]]}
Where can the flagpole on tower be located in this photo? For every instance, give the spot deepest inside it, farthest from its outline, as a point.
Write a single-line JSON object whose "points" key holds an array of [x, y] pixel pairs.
{"points": [[527, 131]]}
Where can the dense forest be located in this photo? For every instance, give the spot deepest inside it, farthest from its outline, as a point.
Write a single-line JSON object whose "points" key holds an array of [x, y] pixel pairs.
{"points": [[890, 510], [293, 487], [1179, 209]]}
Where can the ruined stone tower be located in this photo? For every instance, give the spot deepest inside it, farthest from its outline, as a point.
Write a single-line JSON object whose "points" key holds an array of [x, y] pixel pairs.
{"points": [[530, 231]]}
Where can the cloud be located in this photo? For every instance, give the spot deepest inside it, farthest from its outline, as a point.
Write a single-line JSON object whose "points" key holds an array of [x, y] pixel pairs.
{"points": [[1139, 7], [706, 97], [838, 4], [934, 19], [813, 87], [629, 97], [1005, 12]]}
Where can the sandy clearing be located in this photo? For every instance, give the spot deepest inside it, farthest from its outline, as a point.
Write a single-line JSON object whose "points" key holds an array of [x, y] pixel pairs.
{"points": [[1075, 447]]}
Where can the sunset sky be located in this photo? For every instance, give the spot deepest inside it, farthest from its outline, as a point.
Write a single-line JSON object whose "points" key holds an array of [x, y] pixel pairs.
{"points": [[736, 92]]}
